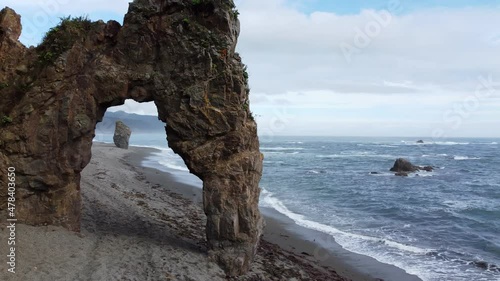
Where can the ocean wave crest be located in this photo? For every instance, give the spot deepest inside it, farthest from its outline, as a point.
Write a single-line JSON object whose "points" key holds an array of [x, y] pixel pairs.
{"points": [[270, 201], [458, 157], [281, 148]]}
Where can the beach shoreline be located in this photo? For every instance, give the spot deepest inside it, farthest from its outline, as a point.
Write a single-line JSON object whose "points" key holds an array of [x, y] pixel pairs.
{"points": [[316, 246], [140, 223]]}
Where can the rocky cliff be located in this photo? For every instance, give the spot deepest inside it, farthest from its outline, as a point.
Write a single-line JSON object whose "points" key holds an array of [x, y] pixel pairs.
{"points": [[179, 54]]}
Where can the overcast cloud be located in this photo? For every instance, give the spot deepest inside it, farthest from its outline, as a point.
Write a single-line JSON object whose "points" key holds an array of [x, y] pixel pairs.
{"points": [[376, 72]]}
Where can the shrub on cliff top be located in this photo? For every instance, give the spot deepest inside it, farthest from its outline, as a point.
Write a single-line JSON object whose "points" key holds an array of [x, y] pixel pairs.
{"points": [[61, 38]]}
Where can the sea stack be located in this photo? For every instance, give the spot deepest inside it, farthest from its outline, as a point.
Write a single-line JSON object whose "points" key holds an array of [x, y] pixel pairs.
{"points": [[403, 167], [122, 135]]}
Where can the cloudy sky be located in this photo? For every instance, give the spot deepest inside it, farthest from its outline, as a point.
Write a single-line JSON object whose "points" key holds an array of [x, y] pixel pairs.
{"points": [[349, 68]]}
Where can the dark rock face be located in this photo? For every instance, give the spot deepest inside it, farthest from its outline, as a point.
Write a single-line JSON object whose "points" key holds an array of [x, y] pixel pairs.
{"points": [[403, 167], [427, 168], [122, 135], [179, 54], [420, 141]]}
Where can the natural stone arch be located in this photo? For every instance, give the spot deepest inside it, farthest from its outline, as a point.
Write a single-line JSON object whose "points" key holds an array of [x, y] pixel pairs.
{"points": [[179, 54]]}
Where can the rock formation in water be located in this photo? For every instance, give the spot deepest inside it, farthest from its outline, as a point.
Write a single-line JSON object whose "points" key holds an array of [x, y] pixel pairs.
{"points": [[179, 54], [403, 167], [122, 135]]}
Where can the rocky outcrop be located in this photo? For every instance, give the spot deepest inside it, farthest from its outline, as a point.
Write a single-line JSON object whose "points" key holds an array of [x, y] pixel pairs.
{"points": [[122, 135], [420, 141], [179, 54], [403, 167]]}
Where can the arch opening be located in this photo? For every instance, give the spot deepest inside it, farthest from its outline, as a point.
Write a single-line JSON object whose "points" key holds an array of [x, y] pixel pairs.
{"points": [[147, 131]]}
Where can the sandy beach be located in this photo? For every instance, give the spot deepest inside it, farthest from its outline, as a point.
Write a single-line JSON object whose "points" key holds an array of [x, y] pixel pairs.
{"points": [[140, 224]]}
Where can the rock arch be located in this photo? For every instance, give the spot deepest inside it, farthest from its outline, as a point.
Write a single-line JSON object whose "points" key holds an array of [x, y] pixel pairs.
{"points": [[179, 54]]}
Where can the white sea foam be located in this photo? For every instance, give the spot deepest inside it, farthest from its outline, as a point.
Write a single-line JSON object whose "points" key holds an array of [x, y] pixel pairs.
{"points": [[458, 157], [281, 148], [357, 154], [435, 155], [415, 260], [173, 166], [450, 143], [167, 158], [382, 174], [273, 162], [434, 143], [344, 238], [458, 205], [377, 145], [166, 149], [422, 175]]}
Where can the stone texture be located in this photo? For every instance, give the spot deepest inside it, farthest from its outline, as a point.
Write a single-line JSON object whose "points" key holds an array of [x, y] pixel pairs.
{"points": [[403, 167], [122, 135], [179, 54]]}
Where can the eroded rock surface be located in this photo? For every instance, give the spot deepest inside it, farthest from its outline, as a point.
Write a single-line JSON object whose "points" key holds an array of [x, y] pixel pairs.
{"points": [[402, 167], [179, 54], [122, 135]]}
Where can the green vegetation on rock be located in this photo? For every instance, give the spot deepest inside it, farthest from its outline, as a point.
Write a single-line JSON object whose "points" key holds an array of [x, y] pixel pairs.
{"points": [[61, 38], [236, 13], [5, 120], [245, 73]]}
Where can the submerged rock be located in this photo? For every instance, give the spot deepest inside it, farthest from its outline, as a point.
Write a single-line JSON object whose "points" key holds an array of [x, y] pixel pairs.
{"points": [[122, 135], [427, 168]]}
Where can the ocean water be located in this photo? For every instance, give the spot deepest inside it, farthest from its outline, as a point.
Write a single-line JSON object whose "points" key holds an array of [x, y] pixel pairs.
{"points": [[442, 225]]}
